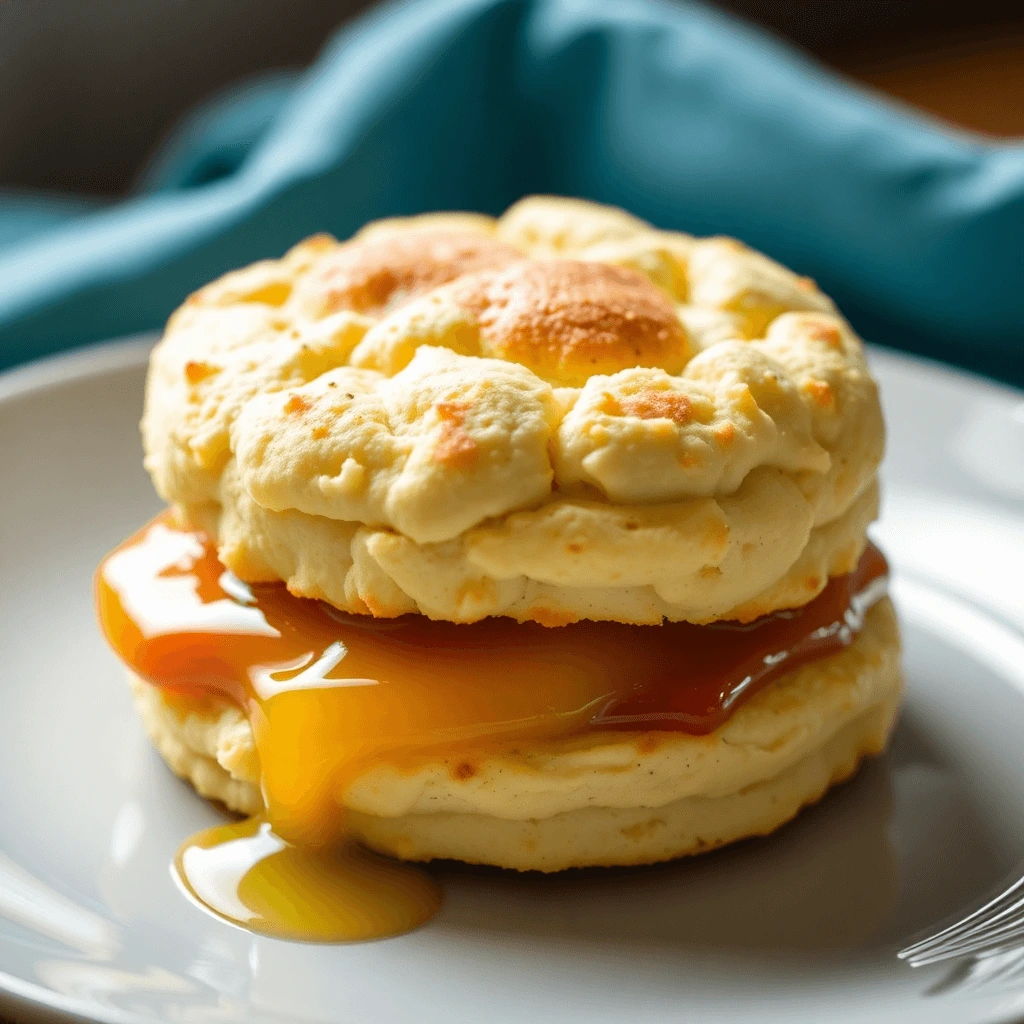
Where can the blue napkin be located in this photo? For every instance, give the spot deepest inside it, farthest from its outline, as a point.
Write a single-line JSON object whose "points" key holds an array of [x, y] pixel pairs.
{"points": [[677, 113]]}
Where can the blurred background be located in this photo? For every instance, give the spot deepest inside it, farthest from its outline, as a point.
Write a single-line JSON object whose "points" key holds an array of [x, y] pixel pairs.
{"points": [[90, 87]]}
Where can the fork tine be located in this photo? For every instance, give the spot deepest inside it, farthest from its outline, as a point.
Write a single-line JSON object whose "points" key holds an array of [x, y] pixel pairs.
{"points": [[974, 918], [996, 924], [1002, 940], [1014, 949], [996, 907], [978, 938], [981, 948]]}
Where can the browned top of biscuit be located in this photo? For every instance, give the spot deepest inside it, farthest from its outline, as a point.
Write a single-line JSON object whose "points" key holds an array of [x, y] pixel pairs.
{"points": [[370, 274], [570, 319]]}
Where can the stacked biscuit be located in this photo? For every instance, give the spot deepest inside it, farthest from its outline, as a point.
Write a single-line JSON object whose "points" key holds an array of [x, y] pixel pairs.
{"points": [[560, 414]]}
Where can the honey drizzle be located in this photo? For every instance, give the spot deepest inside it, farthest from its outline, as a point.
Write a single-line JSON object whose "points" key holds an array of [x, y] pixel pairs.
{"points": [[329, 695], [246, 874]]}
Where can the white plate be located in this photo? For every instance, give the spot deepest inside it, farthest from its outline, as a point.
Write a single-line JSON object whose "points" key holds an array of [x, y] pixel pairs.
{"points": [[800, 927]]}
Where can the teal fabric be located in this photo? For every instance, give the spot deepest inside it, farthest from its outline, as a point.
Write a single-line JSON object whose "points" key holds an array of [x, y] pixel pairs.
{"points": [[675, 112]]}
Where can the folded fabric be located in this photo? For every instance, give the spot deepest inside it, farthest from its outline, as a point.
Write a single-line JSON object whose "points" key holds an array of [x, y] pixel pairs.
{"points": [[680, 114]]}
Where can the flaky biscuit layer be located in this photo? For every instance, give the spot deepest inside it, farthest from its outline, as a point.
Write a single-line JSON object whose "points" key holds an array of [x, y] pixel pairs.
{"points": [[563, 413], [598, 798]]}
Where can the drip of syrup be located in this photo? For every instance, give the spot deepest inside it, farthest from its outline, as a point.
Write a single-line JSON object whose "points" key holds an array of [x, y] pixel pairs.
{"points": [[329, 694], [248, 875]]}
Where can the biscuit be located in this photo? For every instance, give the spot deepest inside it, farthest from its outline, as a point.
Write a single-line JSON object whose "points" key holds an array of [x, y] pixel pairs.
{"points": [[560, 414], [601, 797]]}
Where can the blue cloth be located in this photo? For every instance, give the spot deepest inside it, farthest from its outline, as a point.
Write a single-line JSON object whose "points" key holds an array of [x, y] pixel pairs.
{"points": [[677, 113]]}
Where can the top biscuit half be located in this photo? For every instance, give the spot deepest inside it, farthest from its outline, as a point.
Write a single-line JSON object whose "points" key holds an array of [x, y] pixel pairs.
{"points": [[563, 413]]}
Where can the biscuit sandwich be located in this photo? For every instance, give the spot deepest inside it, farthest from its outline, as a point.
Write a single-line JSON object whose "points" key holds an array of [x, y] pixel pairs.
{"points": [[537, 542]]}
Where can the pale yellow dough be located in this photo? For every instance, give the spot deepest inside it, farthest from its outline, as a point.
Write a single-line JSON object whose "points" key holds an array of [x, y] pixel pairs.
{"points": [[560, 414], [600, 798]]}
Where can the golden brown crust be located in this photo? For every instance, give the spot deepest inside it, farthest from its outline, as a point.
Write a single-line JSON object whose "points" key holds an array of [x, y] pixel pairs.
{"points": [[568, 320], [373, 273]]}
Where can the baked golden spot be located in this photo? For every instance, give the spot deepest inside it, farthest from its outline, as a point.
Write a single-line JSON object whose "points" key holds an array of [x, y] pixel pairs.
{"points": [[652, 404], [195, 372], [820, 392], [552, 617], [725, 434], [455, 448], [568, 320], [297, 404], [367, 275], [823, 330], [274, 293]]}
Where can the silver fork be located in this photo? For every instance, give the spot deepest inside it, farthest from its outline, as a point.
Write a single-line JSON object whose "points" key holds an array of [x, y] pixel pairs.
{"points": [[994, 928]]}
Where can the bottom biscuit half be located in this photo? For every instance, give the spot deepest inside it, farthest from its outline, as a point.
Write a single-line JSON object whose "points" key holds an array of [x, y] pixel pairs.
{"points": [[601, 799]]}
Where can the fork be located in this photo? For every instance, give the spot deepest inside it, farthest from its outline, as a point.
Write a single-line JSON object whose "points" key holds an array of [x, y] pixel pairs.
{"points": [[996, 927]]}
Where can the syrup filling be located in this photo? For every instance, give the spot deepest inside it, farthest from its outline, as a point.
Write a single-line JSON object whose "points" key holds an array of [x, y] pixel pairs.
{"points": [[329, 695]]}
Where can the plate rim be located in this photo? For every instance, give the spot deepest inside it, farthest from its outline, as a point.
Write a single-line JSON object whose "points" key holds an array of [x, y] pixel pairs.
{"points": [[75, 364], [32, 1002]]}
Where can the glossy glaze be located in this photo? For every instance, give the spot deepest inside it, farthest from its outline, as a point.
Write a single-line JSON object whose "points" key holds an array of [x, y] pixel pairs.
{"points": [[248, 875]]}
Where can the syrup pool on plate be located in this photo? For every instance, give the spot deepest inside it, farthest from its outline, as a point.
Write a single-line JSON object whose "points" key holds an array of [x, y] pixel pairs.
{"points": [[329, 695]]}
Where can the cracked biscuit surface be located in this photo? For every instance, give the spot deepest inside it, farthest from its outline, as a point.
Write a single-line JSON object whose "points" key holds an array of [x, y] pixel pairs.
{"points": [[560, 414]]}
